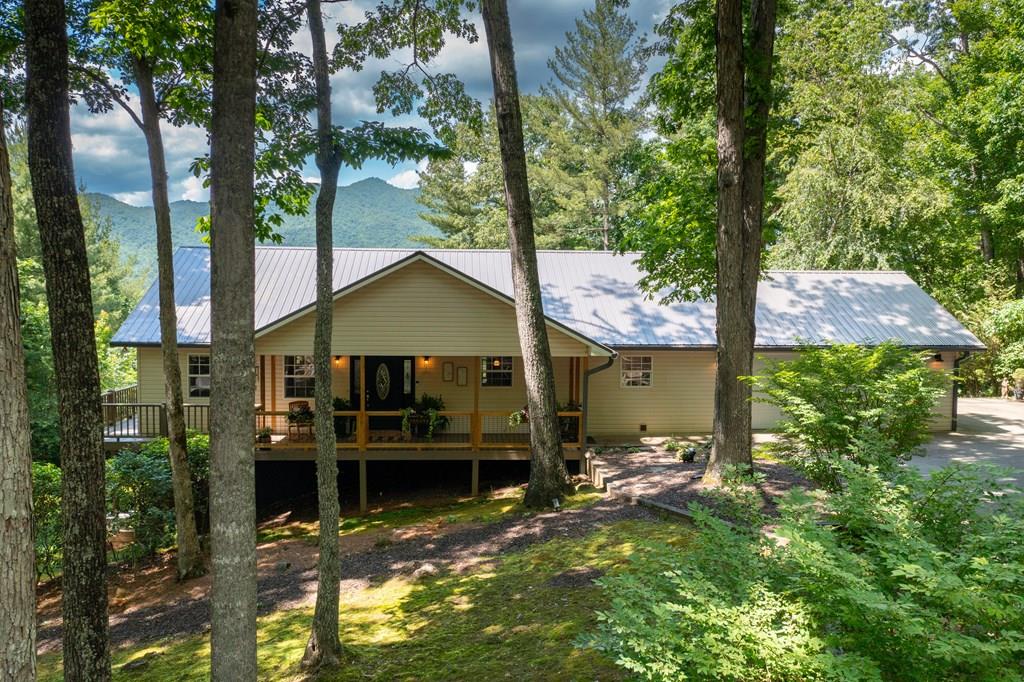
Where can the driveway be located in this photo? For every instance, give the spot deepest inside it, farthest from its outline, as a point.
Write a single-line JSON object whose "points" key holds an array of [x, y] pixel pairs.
{"points": [[990, 431]]}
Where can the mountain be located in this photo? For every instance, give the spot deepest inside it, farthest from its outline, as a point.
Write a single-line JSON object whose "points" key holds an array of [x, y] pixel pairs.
{"points": [[366, 213]]}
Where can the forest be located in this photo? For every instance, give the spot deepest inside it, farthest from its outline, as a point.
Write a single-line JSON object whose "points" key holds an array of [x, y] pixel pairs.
{"points": [[732, 140]]}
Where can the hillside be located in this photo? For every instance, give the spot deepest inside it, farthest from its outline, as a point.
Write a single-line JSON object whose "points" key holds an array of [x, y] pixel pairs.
{"points": [[366, 213]]}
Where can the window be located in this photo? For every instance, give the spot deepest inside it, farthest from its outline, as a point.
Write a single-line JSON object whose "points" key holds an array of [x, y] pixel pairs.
{"points": [[636, 370], [198, 376], [298, 376], [496, 370]]}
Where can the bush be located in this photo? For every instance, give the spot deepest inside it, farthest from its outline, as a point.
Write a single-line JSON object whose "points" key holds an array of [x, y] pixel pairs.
{"points": [[140, 493], [880, 581], [46, 517], [871, 406]]}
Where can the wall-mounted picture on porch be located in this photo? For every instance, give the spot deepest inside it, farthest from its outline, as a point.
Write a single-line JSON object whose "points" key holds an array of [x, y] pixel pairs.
{"points": [[448, 371], [462, 376]]}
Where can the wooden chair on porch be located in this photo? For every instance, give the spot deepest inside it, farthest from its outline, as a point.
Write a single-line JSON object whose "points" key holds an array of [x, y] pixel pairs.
{"points": [[300, 419]]}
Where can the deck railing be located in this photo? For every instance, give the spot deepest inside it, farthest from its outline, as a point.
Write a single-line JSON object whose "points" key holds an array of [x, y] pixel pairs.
{"points": [[125, 394], [396, 429]]}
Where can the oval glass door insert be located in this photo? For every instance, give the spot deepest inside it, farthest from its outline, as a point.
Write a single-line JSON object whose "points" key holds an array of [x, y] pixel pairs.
{"points": [[383, 381]]}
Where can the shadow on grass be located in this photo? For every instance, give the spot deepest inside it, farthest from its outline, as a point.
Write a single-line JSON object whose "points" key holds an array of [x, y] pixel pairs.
{"points": [[515, 617]]}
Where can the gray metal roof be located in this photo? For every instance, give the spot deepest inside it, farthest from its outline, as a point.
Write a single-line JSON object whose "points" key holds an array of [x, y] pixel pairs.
{"points": [[591, 293]]}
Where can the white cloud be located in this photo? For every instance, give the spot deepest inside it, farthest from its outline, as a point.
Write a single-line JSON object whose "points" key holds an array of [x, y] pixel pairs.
{"points": [[409, 179], [140, 198], [192, 189]]}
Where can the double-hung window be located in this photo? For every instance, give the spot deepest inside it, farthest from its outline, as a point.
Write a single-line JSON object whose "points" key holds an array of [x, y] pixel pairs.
{"points": [[637, 371], [198, 376], [496, 370], [299, 381]]}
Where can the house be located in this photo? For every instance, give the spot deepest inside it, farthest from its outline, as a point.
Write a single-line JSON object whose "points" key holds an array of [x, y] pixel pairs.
{"points": [[442, 323]]}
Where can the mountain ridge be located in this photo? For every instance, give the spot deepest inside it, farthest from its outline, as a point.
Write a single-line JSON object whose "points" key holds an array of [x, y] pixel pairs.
{"points": [[367, 213]]}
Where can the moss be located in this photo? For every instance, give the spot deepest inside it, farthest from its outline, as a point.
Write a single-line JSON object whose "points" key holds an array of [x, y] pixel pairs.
{"points": [[506, 618], [469, 510]]}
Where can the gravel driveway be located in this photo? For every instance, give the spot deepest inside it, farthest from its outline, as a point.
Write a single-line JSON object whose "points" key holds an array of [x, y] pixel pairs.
{"points": [[990, 431]]}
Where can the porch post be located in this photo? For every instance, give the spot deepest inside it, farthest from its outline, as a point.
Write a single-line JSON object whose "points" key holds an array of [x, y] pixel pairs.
{"points": [[582, 401], [362, 484], [363, 426], [475, 425]]}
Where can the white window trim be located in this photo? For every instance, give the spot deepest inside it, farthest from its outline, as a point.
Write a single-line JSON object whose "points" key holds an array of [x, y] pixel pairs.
{"points": [[622, 371], [511, 372], [286, 377], [189, 375]]}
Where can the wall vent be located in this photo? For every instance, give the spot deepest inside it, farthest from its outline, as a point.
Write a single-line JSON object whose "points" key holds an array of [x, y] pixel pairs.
{"points": [[643, 427]]}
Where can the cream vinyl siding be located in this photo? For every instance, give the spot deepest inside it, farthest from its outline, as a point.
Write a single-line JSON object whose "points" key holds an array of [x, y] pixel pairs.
{"points": [[150, 373], [416, 310], [679, 400]]}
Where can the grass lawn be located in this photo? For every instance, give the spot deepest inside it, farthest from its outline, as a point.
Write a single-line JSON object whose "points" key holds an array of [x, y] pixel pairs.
{"points": [[483, 509], [503, 620]]}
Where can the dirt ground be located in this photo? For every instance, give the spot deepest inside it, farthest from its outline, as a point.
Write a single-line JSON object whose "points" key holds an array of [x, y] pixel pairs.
{"points": [[147, 603]]}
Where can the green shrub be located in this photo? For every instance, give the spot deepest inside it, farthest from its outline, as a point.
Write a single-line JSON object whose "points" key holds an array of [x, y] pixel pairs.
{"points": [[863, 584], [140, 499], [846, 402], [46, 516]]}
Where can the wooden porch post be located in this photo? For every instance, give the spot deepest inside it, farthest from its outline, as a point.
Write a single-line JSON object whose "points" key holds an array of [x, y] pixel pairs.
{"points": [[363, 426], [474, 488], [475, 425], [263, 382], [362, 484], [583, 419]]}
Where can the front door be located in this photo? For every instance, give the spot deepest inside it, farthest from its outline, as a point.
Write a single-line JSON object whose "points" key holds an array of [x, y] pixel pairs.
{"points": [[390, 386]]}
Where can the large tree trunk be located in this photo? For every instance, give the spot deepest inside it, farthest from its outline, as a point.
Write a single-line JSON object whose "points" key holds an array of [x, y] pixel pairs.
{"points": [[323, 650], [548, 476], [742, 148], [190, 558], [17, 568], [232, 380], [69, 296]]}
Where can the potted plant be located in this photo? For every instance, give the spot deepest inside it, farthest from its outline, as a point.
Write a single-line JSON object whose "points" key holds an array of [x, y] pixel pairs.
{"points": [[301, 415], [519, 417], [423, 419], [344, 425], [263, 435]]}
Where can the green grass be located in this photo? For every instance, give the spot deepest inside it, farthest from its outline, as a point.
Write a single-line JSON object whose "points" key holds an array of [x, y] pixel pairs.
{"points": [[501, 621], [486, 509]]}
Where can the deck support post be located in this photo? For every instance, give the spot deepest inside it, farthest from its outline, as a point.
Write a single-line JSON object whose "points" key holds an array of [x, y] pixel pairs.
{"points": [[474, 488], [362, 485]]}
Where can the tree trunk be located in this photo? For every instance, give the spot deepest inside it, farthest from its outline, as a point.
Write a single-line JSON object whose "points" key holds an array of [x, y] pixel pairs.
{"points": [[323, 650], [548, 476], [66, 266], [17, 568], [741, 161], [232, 380], [190, 558]]}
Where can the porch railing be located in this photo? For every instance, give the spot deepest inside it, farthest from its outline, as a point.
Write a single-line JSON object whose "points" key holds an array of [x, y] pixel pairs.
{"points": [[125, 394], [447, 429]]}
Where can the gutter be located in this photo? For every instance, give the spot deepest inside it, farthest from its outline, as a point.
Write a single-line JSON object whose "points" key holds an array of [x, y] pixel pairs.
{"points": [[586, 387]]}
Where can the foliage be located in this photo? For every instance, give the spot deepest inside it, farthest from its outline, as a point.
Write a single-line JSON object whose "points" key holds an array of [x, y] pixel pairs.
{"points": [[115, 288], [577, 133], [879, 591], [46, 517], [425, 413], [140, 499], [847, 402], [443, 627], [139, 480]]}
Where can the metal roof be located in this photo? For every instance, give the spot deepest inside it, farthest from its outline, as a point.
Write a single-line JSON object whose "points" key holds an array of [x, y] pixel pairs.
{"points": [[593, 293]]}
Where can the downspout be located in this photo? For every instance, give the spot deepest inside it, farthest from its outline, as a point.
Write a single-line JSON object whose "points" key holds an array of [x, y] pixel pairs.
{"points": [[586, 389], [956, 383]]}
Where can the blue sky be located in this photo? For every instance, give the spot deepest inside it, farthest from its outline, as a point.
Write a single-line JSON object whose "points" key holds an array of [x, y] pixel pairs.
{"points": [[110, 155]]}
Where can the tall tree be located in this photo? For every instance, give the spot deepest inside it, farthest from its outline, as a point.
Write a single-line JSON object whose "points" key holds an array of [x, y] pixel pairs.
{"points": [[84, 603], [165, 42], [743, 97], [548, 475], [17, 568], [323, 650], [598, 71], [232, 381]]}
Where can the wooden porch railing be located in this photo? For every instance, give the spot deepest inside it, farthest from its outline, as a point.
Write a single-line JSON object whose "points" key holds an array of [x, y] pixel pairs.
{"points": [[125, 394], [453, 429]]}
